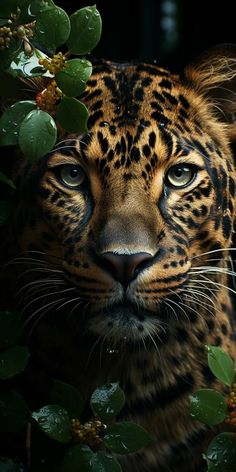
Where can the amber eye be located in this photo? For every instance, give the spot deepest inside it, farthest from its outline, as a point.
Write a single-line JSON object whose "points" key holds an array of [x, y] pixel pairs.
{"points": [[71, 175], [180, 175]]}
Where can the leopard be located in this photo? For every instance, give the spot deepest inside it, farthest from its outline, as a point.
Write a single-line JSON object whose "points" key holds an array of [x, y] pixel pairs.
{"points": [[118, 251]]}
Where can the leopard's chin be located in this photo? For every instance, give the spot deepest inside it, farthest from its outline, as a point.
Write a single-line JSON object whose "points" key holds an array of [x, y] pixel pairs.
{"points": [[126, 322]]}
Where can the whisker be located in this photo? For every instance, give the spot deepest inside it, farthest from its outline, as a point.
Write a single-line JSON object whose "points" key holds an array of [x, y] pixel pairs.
{"points": [[54, 302], [213, 252]]}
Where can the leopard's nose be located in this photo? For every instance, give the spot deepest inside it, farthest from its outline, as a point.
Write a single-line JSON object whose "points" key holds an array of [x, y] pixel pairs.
{"points": [[125, 267]]}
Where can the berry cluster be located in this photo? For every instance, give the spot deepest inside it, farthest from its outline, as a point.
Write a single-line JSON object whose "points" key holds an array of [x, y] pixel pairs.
{"points": [[49, 97], [53, 65], [10, 30], [88, 433], [231, 418], [6, 35]]}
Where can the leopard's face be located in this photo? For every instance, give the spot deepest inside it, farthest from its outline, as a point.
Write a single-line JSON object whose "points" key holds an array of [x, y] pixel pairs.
{"points": [[130, 209]]}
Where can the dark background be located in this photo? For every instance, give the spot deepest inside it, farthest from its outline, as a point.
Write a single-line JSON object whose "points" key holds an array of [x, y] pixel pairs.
{"points": [[171, 31]]}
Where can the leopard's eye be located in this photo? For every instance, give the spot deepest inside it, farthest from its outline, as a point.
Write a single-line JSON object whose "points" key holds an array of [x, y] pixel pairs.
{"points": [[71, 175], [180, 175]]}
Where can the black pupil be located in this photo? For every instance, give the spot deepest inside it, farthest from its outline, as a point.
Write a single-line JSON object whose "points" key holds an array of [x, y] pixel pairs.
{"points": [[179, 171], [74, 173]]}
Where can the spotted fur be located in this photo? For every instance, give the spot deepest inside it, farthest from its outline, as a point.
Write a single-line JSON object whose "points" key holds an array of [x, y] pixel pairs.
{"points": [[95, 317]]}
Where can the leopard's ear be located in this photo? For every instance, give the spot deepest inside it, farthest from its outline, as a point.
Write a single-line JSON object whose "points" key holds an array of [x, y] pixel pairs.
{"points": [[213, 74]]}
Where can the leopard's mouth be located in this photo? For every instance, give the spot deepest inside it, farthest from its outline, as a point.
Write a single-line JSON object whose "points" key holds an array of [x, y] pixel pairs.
{"points": [[125, 322]]}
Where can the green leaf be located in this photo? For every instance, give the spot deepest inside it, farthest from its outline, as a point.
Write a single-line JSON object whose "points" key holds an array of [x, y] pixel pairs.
{"points": [[11, 328], [221, 365], [78, 458], [13, 361], [72, 115], [86, 28], [72, 80], [37, 134], [125, 437], [5, 211], [14, 413], [52, 27], [37, 7], [54, 421], [8, 465], [208, 406], [221, 453], [11, 120], [68, 397], [107, 401], [103, 462], [6, 180]]}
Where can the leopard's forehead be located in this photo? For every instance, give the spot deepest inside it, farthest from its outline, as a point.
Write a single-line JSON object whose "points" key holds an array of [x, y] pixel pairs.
{"points": [[141, 116]]}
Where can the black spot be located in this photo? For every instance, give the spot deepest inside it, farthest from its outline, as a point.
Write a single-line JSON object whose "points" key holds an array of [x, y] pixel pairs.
{"points": [[211, 324], [97, 105], [184, 102], [170, 98], [94, 117], [138, 94], [202, 235], [106, 170], [224, 307], [92, 83], [183, 113], [117, 165], [166, 84], [208, 375], [146, 150], [122, 161], [224, 329], [232, 186], [146, 82], [128, 176], [153, 160], [118, 148], [180, 251], [135, 154], [167, 138], [95, 93], [123, 145], [110, 84], [157, 106], [173, 264], [217, 341], [158, 96], [110, 155], [195, 212], [226, 226], [152, 139], [103, 142]]}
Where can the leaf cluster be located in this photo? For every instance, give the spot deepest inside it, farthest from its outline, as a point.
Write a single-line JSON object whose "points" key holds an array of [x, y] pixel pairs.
{"points": [[31, 31], [210, 407], [54, 420]]}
